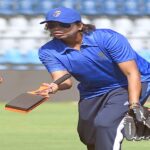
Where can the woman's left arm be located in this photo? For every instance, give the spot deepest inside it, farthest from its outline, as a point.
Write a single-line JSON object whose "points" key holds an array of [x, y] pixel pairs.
{"points": [[129, 68]]}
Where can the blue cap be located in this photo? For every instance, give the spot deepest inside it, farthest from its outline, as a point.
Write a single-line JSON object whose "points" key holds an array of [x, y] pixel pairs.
{"points": [[62, 14]]}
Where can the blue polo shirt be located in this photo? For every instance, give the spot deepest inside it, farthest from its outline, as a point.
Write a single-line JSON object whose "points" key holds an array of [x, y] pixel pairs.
{"points": [[95, 64]]}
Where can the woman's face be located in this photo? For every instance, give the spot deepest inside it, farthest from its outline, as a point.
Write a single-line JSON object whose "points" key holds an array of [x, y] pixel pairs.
{"points": [[62, 30]]}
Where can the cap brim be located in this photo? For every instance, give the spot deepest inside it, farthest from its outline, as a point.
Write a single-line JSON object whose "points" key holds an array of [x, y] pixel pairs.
{"points": [[58, 21], [43, 22]]}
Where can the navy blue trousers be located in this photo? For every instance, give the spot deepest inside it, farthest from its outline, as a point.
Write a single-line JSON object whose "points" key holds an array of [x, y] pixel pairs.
{"points": [[100, 124]]}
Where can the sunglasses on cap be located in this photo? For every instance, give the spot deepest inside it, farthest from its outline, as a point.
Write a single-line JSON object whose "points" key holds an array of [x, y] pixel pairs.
{"points": [[52, 25]]}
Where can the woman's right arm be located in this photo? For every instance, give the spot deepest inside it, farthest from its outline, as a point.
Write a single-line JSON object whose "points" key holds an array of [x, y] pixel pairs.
{"points": [[67, 84]]}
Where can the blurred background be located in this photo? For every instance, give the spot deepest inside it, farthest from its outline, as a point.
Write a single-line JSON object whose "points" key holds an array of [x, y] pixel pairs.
{"points": [[21, 35]]}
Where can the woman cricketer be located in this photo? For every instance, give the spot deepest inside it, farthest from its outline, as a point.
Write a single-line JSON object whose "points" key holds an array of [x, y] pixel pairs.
{"points": [[112, 76]]}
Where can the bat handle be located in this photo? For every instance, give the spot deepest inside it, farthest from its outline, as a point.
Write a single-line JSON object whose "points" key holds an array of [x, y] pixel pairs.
{"points": [[62, 79]]}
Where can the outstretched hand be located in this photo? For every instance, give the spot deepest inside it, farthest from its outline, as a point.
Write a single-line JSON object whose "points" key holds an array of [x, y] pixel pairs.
{"points": [[46, 89]]}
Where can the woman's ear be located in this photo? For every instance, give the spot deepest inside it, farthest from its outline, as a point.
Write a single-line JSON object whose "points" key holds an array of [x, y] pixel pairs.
{"points": [[80, 25], [46, 27]]}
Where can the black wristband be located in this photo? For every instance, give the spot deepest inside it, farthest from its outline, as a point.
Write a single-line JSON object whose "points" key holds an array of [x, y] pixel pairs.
{"points": [[132, 105]]}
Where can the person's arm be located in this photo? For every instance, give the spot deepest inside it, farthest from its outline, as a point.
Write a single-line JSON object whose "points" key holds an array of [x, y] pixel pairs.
{"points": [[65, 85], [1, 79], [121, 53], [52, 87], [56, 70], [129, 68]]}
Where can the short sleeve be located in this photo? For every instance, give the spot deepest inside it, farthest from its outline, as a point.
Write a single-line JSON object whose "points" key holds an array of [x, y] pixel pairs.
{"points": [[50, 61], [118, 47]]}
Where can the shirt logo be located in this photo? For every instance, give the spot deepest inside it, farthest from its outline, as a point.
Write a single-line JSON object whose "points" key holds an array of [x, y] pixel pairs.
{"points": [[101, 54], [57, 13]]}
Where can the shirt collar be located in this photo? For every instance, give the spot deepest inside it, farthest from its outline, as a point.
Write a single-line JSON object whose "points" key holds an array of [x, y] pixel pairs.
{"points": [[87, 40]]}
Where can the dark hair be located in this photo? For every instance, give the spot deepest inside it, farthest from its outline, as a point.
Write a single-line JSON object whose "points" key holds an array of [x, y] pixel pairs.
{"points": [[87, 28]]}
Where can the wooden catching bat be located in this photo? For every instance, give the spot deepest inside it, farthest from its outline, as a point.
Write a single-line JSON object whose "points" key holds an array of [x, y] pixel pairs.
{"points": [[26, 102]]}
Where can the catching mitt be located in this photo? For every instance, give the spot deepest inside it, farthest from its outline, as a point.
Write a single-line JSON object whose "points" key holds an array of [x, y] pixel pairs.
{"points": [[137, 123]]}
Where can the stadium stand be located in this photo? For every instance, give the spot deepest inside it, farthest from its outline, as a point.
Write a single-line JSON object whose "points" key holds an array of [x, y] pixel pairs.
{"points": [[146, 7], [137, 44], [111, 7], [24, 7], [10, 34], [3, 25], [21, 34], [102, 22], [6, 7], [68, 3], [89, 7], [145, 54], [132, 7], [143, 23], [34, 24], [19, 23], [123, 25], [44, 6]]}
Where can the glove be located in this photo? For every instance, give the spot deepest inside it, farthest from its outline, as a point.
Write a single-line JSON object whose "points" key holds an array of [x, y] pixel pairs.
{"points": [[142, 114], [137, 123]]}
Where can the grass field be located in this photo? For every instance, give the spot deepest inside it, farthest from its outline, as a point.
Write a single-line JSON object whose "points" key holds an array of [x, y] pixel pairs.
{"points": [[51, 126]]}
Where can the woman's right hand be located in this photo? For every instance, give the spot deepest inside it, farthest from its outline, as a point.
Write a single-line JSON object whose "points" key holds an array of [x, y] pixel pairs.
{"points": [[46, 89]]}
